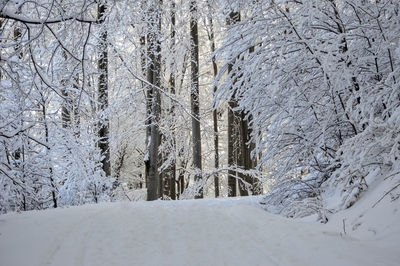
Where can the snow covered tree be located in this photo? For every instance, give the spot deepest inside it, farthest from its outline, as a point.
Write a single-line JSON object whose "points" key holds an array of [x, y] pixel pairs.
{"points": [[103, 89], [308, 87], [154, 188], [194, 93]]}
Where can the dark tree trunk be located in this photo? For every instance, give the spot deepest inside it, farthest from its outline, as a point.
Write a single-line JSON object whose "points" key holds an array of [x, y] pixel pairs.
{"points": [[233, 135], [194, 93], [46, 132], [215, 111], [66, 101], [154, 189], [172, 168], [76, 103], [103, 92], [244, 162], [232, 148], [148, 93]]}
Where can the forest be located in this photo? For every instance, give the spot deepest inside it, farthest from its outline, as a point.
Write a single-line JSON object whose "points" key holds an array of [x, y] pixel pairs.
{"points": [[105, 100]]}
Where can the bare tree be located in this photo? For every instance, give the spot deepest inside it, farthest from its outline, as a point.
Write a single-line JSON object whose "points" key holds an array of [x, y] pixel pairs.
{"points": [[211, 38], [172, 167], [154, 78], [103, 91], [194, 93], [233, 133]]}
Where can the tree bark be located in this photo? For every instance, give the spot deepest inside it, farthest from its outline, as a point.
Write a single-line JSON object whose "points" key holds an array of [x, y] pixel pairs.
{"points": [[215, 111], [233, 136], [46, 132], [194, 93], [172, 168], [148, 94], [66, 102], [103, 91], [154, 189]]}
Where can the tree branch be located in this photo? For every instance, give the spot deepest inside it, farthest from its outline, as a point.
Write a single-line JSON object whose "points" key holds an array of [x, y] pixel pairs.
{"points": [[8, 15]]}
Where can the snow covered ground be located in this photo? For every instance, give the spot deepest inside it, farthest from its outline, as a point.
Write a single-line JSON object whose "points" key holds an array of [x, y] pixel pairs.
{"points": [[193, 232]]}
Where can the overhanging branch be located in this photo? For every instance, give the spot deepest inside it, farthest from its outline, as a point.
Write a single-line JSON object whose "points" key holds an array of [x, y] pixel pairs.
{"points": [[8, 15]]}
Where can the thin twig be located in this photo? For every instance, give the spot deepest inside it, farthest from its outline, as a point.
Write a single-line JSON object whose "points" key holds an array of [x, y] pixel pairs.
{"points": [[376, 203], [391, 175]]}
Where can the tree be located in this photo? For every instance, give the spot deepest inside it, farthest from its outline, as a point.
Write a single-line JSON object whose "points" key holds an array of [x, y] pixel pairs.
{"points": [[35, 87], [104, 130], [307, 91], [233, 122], [194, 93], [172, 168], [211, 38], [154, 190]]}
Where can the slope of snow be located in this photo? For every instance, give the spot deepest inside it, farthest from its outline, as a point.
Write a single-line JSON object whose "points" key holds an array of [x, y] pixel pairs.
{"points": [[193, 232], [375, 216]]}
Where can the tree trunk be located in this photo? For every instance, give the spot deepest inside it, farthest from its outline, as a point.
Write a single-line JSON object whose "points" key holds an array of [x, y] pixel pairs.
{"points": [[172, 168], [256, 188], [66, 102], [103, 92], [233, 136], [76, 103], [154, 77], [194, 93], [242, 160], [46, 131], [232, 149], [148, 93], [215, 111]]}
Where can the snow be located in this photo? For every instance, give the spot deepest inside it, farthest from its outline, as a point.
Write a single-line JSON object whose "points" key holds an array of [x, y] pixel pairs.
{"points": [[376, 215], [193, 232]]}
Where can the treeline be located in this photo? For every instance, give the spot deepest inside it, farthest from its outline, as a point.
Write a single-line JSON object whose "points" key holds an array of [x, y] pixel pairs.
{"points": [[193, 98]]}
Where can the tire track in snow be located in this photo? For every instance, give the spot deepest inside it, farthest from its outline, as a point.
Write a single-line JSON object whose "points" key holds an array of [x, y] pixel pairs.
{"points": [[71, 243], [201, 232]]}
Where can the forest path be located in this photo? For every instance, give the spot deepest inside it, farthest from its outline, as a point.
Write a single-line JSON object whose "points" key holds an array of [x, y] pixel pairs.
{"points": [[201, 232]]}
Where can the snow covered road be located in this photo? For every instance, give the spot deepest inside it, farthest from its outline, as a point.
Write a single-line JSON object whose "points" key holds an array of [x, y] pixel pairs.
{"points": [[201, 232]]}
